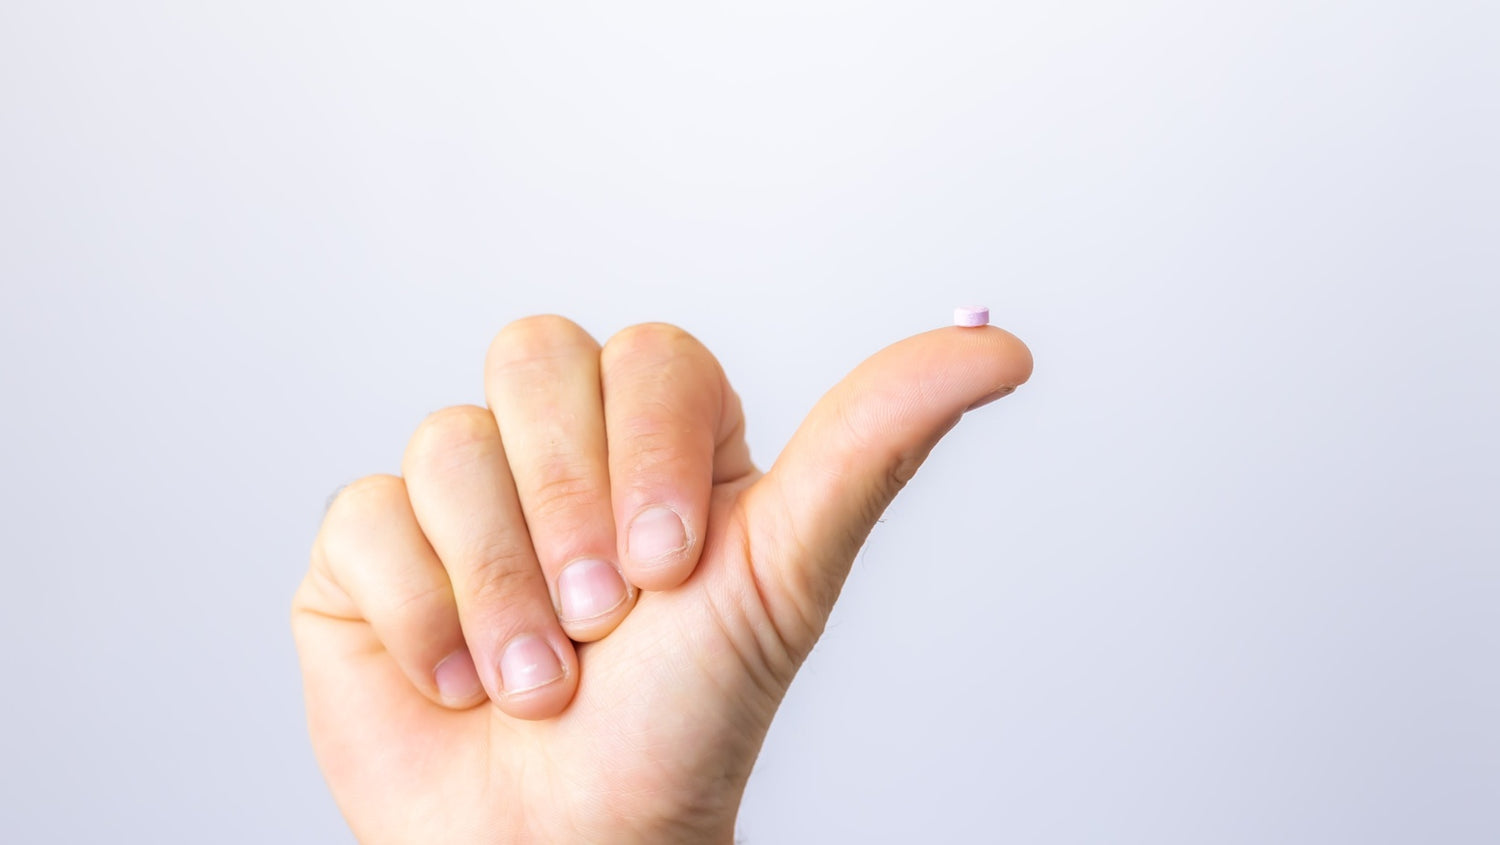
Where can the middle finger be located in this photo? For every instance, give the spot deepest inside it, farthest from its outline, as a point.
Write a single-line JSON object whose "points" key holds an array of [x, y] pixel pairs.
{"points": [[542, 384]]}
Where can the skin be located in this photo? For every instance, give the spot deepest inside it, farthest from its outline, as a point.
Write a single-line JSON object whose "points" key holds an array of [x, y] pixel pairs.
{"points": [[650, 732]]}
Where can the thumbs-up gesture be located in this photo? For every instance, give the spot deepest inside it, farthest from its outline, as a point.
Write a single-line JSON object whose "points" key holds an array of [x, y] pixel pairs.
{"points": [[573, 616]]}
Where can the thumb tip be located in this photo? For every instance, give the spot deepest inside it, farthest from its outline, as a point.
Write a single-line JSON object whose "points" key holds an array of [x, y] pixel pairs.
{"points": [[965, 367]]}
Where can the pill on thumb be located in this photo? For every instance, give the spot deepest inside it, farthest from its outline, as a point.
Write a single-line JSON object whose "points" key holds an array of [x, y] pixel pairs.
{"points": [[971, 315]]}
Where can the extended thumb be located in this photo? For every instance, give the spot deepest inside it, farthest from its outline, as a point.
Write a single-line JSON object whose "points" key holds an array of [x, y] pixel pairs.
{"points": [[857, 448]]}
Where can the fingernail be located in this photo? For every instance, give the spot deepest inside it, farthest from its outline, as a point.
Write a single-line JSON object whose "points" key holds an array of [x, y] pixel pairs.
{"points": [[589, 588], [457, 680], [990, 397], [528, 663], [656, 533]]}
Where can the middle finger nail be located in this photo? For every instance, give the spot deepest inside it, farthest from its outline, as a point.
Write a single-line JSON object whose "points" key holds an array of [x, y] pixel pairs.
{"points": [[589, 588]]}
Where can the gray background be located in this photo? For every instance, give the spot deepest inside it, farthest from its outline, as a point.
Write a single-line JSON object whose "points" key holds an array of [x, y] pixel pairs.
{"points": [[1226, 571]]}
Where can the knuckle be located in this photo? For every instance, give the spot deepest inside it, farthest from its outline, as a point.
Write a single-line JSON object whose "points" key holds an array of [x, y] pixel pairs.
{"points": [[452, 434], [502, 571], [507, 587], [366, 498], [422, 606], [492, 552], [537, 338], [650, 341], [652, 447], [562, 489], [355, 510]]}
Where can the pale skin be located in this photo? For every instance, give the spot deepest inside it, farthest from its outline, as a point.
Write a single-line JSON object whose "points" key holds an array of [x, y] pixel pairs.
{"points": [[640, 685]]}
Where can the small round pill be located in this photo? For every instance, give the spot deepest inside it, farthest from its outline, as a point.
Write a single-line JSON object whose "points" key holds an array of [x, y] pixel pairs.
{"points": [[971, 315]]}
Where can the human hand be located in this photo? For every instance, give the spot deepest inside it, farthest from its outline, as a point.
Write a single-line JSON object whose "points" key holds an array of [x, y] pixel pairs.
{"points": [[430, 731]]}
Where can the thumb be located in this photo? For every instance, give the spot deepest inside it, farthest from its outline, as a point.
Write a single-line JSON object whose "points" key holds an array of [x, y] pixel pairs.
{"points": [[809, 515]]}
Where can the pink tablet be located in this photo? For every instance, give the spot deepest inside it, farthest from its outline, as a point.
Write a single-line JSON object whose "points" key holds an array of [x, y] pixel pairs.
{"points": [[971, 315]]}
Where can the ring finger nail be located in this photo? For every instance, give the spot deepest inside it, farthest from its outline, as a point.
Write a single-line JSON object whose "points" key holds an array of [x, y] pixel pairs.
{"points": [[589, 588]]}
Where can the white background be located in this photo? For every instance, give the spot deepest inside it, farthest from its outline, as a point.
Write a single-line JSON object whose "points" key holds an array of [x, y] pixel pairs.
{"points": [[1226, 570]]}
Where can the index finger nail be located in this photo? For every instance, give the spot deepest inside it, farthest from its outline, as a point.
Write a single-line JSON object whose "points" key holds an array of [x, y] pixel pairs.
{"points": [[655, 533]]}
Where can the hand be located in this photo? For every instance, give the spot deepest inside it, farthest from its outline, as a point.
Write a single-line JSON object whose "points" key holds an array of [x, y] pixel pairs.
{"points": [[446, 698]]}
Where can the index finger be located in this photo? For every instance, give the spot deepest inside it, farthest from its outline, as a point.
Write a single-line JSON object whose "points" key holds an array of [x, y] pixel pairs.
{"points": [[675, 429]]}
